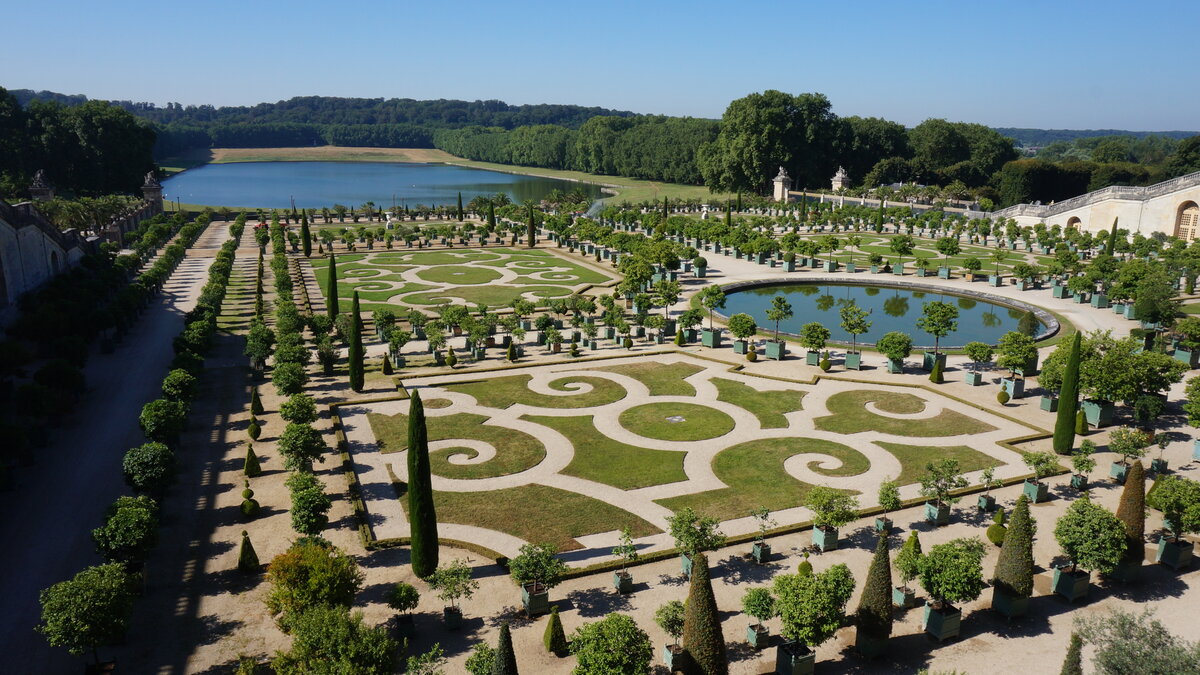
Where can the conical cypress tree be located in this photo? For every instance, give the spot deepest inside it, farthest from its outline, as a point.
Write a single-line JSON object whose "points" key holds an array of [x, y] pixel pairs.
{"points": [[702, 636], [305, 235], [1068, 402], [935, 375], [251, 467], [729, 213], [1080, 423], [555, 638], [422, 519], [357, 376], [247, 558], [529, 229], [666, 210], [332, 305], [874, 615], [387, 365], [511, 353], [506, 661], [491, 221], [1112, 239], [1131, 511], [1014, 567], [1073, 664], [459, 211], [256, 406]]}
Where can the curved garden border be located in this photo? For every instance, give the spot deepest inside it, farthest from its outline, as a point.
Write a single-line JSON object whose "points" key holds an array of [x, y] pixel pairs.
{"points": [[1047, 319]]}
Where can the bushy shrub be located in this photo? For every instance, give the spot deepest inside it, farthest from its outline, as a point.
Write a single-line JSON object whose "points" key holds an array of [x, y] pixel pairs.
{"points": [[254, 429], [149, 468], [1002, 397]]}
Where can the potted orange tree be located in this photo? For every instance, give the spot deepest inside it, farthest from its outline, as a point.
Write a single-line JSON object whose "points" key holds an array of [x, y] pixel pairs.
{"points": [[831, 509], [1042, 464], [627, 552], [941, 479], [812, 608], [758, 603], [693, 533], [950, 573], [452, 582], [1179, 500], [761, 550], [1092, 539], [536, 569]]}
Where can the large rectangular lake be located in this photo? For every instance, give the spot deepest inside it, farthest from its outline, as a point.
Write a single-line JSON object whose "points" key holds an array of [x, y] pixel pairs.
{"points": [[323, 184]]}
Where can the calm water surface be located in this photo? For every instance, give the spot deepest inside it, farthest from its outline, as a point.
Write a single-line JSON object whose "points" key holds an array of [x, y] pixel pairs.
{"points": [[322, 184], [890, 309]]}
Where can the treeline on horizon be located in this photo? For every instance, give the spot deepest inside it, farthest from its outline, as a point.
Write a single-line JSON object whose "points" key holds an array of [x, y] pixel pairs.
{"points": [[741, 152]]}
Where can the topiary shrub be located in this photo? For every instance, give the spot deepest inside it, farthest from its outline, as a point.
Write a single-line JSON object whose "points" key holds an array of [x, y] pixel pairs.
{"points": [[1080, 423], [825, 365], [511, 354], [1002, 397], [256, 406], [451, 357], [574, 349], [805, 568], [555, 638], [752, 356], [253, 430], [935, 375], [251, 467], [247, 557], [387, 365], [249, 504], [996, 533], [628, 343]]}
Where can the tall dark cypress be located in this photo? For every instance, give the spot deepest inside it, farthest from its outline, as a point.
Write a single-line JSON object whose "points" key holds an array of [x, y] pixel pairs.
{"points": [[459, 211], [874, 615], [491, 217], [1112, 239], [1064, 424], [702, 636], [357, 375], [422, 519], [803, 206], [529, 228], [305, 235], [1131, 511], [666, 210], [506, 661], [729, 213], [1014, 566], [332, 305]]}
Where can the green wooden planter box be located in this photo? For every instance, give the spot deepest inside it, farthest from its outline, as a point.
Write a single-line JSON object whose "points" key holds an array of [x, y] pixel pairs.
{"points": [[793, 658], [1071, 584], [1014, 386], [883, 524], [944, 623], [535, 600], [1061, 292], [905, 598], [1049, 404], [685, 564], [1099, 301], [1174, 553], [996, 280], [853, 361], [1011, 606], [825, 539], [874, 269], [944, 272], [986, 503], [761, 552], [1079, 481], [1158, 465], [1080, 298], [710, 338], [623, 582], [868, 647], [929, 358], [850, 268], [921, 272], [674, 657], [776, 349], [452, 618], [973, 378], [895, 366], [812, 358], [740, 346], [758, 636], [1190, 358], [831, 266], [898, 270], [937, 514], [1098, 413], [1035, 491], [1118, 471]]}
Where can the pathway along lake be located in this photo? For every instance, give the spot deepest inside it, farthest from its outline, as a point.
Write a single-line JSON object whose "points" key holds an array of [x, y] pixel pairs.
{"points": [[323, 184], [890, 309]]}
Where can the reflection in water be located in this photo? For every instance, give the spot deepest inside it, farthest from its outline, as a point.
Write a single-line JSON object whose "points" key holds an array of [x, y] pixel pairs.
{"points": [[978, 319], [323, 184]]}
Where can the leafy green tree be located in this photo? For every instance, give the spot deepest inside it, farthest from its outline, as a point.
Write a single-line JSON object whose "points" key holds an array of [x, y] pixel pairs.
{"points": [[88, 611], [1125, 642], [1014, 567], [483, 655], [813, 336], [162, 420], [939, 319], [356, 353], [311, 573], [758, 603], [742, 326], [702, 636], [299, 408], [854, 322], [902, 245], [1179, 500], [179, 385], [453, 581], [615, 644], [301, 445], [694, 533], [874, 614], [781, 310], [813, 607], [712, 298], [831, 508], [1068, 402], [149, 468], [941, 479], [289, 378], [130, 530], [1015, 351], [895, 345], [539, 565], [953, 572], [908, 560], [422, 517], [329, 639], [670, 617], [310, 504], [1090, 536]]}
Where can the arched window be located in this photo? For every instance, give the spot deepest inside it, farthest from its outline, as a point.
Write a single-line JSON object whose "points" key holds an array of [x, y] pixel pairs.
{"points": [[1074, 223], [1187, 221]]}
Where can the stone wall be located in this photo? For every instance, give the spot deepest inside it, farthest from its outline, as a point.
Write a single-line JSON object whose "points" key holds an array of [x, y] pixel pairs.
{"points": [[31, 252]]}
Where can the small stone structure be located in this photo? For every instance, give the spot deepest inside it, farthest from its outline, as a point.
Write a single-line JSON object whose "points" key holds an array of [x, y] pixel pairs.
{"points": [[840, 179], [783, 185]]}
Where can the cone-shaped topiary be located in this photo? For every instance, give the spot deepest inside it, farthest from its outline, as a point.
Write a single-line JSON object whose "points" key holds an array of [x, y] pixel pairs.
{"points": [[1073, 664], [253, 430], [935, 375], [256, 406], [251, 467], [805, 568], [511, 353], [332, 305], [422, 518], [874, 615], [305, 235], [1014, 567], [702, 636], [1068, 402], [1131, 511], [247, 558], [357, 376], [1080, 423], [679, 338], [387, 365], [555, 639], [506, 660], [451, 357]]}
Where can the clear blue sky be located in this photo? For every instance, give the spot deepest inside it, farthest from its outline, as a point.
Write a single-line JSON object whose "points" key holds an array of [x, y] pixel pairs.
{"points": [[1049, 64]]}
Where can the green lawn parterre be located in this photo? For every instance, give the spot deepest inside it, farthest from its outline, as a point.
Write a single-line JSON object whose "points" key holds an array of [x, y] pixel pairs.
{"points": [[850, 416]]}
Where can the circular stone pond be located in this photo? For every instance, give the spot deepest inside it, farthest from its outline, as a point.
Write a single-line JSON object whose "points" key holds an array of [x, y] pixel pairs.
{"points": [[891, 308]]}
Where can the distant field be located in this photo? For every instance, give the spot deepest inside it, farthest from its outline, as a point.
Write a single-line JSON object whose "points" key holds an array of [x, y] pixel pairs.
{"points": [[628, 189]]}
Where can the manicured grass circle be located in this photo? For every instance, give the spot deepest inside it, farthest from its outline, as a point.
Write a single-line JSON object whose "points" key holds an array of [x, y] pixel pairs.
{"points": [[459, 274], [699, 422]]}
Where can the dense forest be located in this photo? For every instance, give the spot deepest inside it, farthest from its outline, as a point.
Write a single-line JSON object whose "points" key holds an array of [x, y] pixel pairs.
{"points": [[740, 152], [85, 148]]}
